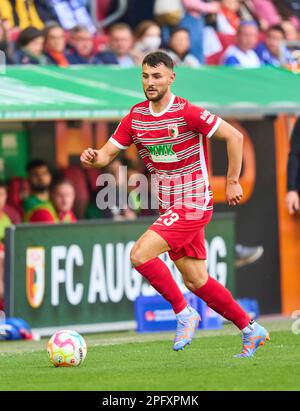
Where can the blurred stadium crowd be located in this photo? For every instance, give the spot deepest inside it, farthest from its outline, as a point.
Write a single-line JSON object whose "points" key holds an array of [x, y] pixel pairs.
{"points": [[246, 33]]}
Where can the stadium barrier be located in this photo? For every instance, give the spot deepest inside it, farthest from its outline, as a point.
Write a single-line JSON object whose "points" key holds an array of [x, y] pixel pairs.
{"points": [[61, 275]]}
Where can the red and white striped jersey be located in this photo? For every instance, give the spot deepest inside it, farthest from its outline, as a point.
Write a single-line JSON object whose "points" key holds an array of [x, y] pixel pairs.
{"points": [[173, 145]]}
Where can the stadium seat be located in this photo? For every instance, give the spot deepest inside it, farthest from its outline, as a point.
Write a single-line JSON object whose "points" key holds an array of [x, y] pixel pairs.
{"points": [[102, 8], [13, 34], [226, 40], [17, 190], [91, 175], [100, 41], [214, 59], [13, 214]]}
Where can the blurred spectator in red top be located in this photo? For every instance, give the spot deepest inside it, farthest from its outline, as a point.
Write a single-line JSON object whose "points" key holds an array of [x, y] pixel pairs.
{"points": [[63, 197], [30, 47], [55, 45], [228, 19]]}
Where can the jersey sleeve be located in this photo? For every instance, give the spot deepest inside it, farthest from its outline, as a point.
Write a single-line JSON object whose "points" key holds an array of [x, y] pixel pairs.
{"points": [[201, 120], [122, 137]]}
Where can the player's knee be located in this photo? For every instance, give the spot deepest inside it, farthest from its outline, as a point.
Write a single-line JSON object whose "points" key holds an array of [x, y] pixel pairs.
{"points": [[137, 256], [196, 282]]}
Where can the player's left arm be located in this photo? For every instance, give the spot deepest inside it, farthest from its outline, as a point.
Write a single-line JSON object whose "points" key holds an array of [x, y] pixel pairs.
{"points": [[209, 125], [234, 142]]}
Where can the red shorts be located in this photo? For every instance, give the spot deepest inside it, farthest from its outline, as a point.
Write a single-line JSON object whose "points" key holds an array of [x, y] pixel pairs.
{"points": [[183, 229]]}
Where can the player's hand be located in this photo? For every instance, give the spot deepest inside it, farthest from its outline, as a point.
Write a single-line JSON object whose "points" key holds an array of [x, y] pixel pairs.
{"points": [[89, 158], [234, 192], [292, 201]]}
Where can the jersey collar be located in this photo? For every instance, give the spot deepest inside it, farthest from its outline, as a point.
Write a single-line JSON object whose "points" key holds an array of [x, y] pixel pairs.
{"points": [[165, 110]]}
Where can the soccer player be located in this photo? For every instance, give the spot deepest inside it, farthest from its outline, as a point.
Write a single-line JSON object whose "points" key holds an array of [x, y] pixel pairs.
{"points": [[171, 137]]}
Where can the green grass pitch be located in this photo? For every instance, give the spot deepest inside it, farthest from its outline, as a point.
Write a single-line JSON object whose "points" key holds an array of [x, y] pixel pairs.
{"points": [[130, 361]]}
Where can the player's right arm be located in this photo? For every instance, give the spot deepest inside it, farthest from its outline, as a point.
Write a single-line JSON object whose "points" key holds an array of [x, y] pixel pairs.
{"points": [[120, 140], [99, 158]]}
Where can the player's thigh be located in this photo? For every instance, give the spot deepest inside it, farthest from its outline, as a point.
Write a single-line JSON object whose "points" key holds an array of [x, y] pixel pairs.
{"points": [[193, 271], [150, 245]]}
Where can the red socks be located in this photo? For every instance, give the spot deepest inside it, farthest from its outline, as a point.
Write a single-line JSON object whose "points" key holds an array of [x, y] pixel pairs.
{"points": [[220, 300], [213, 293], [160, 277]]}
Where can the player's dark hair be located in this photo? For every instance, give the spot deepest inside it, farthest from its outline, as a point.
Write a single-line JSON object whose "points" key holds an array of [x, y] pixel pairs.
{"points": [[247, 23], [119, 26], [60, 180], [35, 164], [158, 57], [178, 29], [49, 26], [78, 29], [276, 27], [27, 35]]}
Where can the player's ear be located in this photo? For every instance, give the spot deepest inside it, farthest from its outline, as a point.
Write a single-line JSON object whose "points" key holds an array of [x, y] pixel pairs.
{"points": [[172, 77]]}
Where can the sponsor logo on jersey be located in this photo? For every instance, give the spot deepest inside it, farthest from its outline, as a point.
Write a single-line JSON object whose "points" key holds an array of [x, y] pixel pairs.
{"points": [[210, 119], [162, 153], [204, 115], [173, 130]]}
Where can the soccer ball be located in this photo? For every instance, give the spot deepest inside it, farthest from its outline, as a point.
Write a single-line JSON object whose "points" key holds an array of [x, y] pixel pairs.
{"points": [[66, 348]]}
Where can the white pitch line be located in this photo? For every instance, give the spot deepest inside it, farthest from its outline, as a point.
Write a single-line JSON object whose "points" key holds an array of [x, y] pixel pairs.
{"points": [[92, 83]]}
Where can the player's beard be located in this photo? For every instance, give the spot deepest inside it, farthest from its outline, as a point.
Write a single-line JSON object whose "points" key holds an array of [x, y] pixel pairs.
{"points": [[158, 97]]}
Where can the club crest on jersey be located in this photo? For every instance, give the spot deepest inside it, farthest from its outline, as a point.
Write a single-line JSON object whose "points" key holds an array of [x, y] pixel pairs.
{"points": [[173, 130]]}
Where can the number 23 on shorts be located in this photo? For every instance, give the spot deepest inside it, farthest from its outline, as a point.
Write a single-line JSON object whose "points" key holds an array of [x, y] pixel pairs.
{"points": [[169, 218]]}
